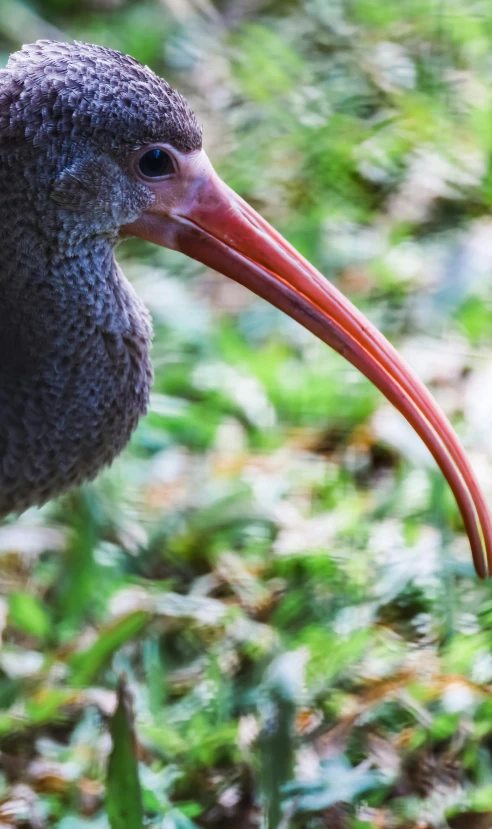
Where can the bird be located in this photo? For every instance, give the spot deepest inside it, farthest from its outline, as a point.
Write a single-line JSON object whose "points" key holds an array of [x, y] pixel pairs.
{"points": [[96, 148]]}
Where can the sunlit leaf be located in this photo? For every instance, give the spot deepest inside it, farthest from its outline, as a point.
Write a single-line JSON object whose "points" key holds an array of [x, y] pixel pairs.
{"points": [[27, 613]]}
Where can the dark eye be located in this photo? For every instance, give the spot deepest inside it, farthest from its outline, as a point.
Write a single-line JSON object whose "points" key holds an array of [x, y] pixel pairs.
{"points": [[155, 163]]}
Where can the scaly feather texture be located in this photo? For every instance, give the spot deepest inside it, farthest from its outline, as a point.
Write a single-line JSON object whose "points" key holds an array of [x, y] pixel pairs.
{"points": [[75, 371]]}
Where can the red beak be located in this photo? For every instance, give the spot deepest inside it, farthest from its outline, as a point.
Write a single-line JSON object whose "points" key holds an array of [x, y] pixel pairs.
{"points": [[207, 221]]}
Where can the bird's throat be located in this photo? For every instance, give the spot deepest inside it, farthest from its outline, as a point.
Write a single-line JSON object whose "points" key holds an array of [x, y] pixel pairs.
{"points": [[75, 371]]}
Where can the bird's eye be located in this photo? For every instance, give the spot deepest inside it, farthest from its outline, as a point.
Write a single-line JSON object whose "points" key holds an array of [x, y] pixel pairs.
{"points": [[155, 163]]}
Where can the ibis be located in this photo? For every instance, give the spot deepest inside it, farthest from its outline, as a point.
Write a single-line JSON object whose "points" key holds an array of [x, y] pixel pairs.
{"points": [[95, 148]]}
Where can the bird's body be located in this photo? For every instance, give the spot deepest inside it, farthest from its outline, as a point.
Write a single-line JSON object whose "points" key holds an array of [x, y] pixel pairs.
{"points": [[95, 147], [75, 370], [75, 374]]}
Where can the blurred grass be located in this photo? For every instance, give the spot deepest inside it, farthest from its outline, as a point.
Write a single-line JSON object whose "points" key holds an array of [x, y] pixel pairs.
{"points": [[273, 564]]}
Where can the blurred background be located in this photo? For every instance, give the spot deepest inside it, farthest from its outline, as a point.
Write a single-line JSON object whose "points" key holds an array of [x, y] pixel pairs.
{"points": [[274, 570]]}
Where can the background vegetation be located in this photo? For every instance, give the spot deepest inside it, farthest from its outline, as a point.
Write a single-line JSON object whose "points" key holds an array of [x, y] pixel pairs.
{"points": [[274, 577]]}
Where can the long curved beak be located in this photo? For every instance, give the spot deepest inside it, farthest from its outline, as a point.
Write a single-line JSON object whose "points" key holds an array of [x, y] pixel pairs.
{"points": [[209, 222]]}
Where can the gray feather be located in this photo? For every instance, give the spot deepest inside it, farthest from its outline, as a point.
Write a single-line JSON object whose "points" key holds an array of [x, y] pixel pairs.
{"points": [[75, 371]]}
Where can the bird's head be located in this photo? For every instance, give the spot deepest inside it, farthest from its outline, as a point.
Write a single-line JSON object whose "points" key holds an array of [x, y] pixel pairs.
{"points": [[75, 120], [114, 151]]}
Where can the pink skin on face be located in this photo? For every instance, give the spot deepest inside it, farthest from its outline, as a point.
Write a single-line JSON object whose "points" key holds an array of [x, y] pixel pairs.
{"points": [[196, 213]]}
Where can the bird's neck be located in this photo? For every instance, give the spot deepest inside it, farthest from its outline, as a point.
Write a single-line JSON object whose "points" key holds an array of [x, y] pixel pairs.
{"points": [[74, 371]]}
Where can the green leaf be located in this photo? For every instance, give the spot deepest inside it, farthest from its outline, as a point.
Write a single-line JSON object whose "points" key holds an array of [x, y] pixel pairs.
{"points": [[282, 686], [28, 614], [79, 578], [87, 664], [123, 792]]}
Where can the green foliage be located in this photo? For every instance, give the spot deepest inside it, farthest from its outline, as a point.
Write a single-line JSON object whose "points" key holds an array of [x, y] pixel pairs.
{"points": [[86, 664], [123, 792], [28, 614], [271, 564]]}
